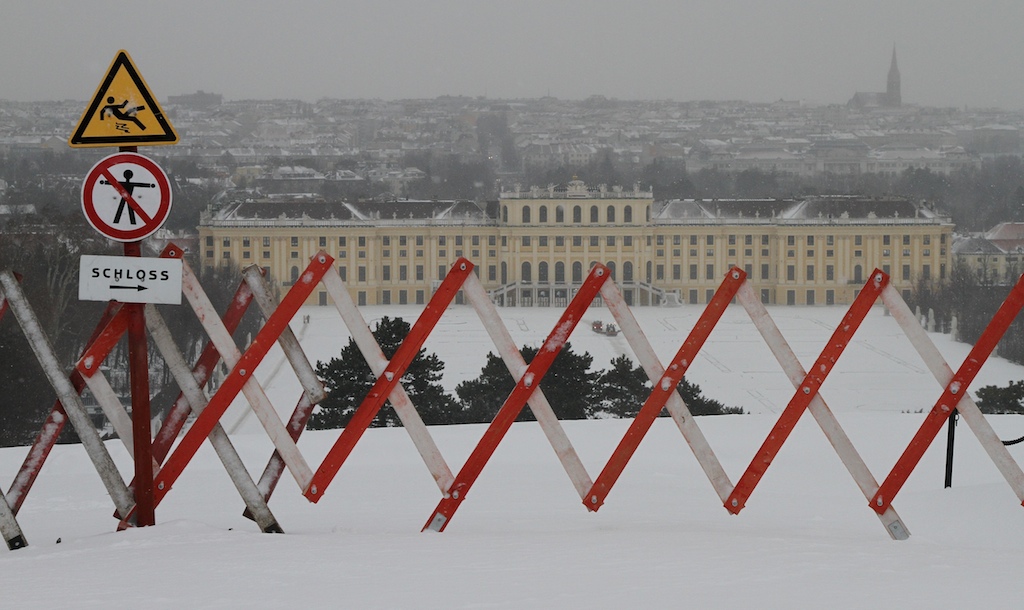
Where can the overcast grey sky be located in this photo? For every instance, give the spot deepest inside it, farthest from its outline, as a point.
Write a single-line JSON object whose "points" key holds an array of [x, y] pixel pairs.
{"points": [[951, 52]]}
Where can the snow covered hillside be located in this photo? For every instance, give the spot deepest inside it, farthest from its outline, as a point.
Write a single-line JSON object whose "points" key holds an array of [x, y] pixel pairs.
{"points": [[522, 538]]}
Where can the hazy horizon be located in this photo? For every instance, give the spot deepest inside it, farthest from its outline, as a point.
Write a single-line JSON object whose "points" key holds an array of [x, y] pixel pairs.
{"points": [[950, 52]]}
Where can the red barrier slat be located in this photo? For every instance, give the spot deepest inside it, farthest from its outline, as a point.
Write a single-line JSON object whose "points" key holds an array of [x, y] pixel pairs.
{"points": [[517, 399], [955, 390], [240, 374], [372, 403], [663, 388], [98, 351], [807, 391]]}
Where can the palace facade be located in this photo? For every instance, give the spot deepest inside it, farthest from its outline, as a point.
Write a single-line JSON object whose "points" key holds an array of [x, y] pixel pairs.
{"points": [[534, 247]]}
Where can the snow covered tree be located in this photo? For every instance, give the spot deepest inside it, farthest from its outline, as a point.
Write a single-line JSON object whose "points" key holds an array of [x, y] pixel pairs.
{"points": [[348, 380]]}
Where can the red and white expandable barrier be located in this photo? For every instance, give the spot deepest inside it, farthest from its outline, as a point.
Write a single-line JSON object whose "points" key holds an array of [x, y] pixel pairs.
{"points": [[529, 379]]}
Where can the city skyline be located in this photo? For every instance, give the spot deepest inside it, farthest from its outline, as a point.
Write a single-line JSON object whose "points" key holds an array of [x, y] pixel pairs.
{"points": [[951, 53]]}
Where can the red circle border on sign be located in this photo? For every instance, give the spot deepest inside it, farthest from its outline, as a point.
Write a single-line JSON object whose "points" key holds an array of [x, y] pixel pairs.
{"points": [[89, 208]]}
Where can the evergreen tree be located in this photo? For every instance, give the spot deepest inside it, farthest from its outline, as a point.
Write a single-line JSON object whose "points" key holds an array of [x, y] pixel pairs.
{"points": [[994, 399], [348, 380], [624, 388], [698, 404], [569, 386]]}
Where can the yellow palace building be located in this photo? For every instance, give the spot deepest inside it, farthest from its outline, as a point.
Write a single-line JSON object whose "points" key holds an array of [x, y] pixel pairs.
{"points": [[533, 247]]}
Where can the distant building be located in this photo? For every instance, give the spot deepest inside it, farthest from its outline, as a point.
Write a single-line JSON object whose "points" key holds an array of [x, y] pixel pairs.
{"points": [[534, 247], [199, 100], [892, 98], [291, 179], [996, 256], [994, 140]]}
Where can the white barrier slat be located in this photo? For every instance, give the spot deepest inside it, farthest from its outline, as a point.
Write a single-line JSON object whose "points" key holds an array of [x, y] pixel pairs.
{"points": [[112, 408], [289, 343], [400, 401], [9, 527], [252, 390], [91, 442], [188, 385]]}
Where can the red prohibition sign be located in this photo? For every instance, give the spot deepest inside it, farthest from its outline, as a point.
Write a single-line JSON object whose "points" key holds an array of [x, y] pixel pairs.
{"points": [[126, 196]]}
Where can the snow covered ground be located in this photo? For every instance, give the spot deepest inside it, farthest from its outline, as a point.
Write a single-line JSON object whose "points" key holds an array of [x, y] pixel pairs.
{"points": [[522, 538]]}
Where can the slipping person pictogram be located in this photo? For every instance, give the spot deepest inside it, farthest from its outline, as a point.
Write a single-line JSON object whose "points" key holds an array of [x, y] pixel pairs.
{"points": [[129, 187], [121, 113]]}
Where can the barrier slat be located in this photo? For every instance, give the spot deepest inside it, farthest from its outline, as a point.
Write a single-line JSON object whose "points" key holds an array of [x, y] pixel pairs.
{"points": [[202, 372], [954, 391], [313, 389], [663, 388], [52, 426], [517, 399], [189, 385], [398, 398], [385, 384], [275, 465], [807, 390], [930, 354], [819, 410], [258, 402], [94, 355], [677, 409], [539, 405], [88, 366], [9, 528], [293, 353], [73, 407], [239, 375], [112, 408]]}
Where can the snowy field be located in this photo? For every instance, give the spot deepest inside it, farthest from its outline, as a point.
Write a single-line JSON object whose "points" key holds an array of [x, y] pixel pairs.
{"points": [[522, 538]]}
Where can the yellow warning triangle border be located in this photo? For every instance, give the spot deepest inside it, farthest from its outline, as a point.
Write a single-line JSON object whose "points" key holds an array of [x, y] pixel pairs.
{"points": [[166, 135]]}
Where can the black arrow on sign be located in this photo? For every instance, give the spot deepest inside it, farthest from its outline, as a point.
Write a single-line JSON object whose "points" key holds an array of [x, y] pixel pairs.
{"points": [[135, 288]]}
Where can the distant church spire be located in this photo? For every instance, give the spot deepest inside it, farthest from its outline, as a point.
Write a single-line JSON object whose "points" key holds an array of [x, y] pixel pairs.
{"points": [[892, 88]]}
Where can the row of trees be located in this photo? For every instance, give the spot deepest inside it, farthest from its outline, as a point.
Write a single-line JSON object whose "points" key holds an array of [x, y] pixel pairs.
{"points": [[573, 389]]}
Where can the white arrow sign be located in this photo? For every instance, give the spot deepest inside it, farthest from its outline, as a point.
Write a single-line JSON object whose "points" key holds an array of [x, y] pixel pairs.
{"points": [[130, 279]]}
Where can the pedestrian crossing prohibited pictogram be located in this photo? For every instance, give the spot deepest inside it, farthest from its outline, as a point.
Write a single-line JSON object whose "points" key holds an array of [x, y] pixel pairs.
{"points": [[123, 112], [126, 196]]}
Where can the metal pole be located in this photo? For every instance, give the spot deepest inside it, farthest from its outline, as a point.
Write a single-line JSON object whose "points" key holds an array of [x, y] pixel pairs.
{"points": [[950, 437]]}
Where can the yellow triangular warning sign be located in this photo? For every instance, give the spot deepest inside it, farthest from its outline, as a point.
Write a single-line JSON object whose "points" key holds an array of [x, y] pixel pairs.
{"points": [[123, 112]]}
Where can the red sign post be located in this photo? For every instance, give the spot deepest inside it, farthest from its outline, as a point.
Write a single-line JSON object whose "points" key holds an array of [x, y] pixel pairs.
{"points": [[127, 197]]}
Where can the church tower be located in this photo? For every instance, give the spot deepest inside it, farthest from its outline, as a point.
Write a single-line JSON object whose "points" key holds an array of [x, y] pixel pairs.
{"points": [[892, 88]]}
